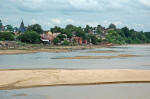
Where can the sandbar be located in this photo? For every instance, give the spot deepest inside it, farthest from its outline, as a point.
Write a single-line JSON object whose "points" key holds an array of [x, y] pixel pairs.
{"points": [[14, 79]]}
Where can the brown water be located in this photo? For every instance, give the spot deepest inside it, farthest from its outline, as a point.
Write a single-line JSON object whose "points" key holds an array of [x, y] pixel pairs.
{"points": [[111, 91]]}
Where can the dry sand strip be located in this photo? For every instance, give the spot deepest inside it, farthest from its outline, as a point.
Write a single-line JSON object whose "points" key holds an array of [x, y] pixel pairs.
{"points": [[14, 79]]}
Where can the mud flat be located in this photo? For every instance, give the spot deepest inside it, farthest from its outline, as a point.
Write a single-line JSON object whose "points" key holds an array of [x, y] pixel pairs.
{"points": [[8, 52], [52, 49], [14, 79], [101, 57], [110, 51]]}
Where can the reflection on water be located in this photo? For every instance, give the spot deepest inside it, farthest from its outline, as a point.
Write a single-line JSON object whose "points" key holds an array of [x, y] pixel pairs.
{"points": [[49, 60], [112, 91]]}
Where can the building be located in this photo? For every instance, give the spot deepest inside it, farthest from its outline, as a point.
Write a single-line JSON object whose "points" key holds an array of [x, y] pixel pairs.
{"points": [[48, 36], [22, 28], [79, 40]]}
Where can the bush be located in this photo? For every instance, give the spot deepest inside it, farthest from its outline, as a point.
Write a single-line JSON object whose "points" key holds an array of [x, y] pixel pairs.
{"points": [[6, 36], [66, 43], [56, 41], [30, 37]]}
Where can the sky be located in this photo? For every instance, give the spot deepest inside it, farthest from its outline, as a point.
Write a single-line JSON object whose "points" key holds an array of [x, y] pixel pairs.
{"points": [[48, 13]]}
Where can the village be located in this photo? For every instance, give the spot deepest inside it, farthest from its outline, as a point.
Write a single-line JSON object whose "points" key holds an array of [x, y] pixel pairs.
{"points": [[70, 35]]}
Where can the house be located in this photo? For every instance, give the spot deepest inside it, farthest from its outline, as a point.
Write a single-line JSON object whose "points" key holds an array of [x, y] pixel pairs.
{"points": [[79, 40], [48, 36]]}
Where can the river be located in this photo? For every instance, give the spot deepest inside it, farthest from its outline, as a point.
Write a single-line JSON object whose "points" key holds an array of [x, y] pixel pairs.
{"points": [[108, 91], [49, 60]]}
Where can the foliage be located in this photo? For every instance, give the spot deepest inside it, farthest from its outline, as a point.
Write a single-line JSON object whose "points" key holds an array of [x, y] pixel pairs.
{"points": [[92, 39], [112, 26], [29, 37], [56, 29], [111, 34], [61, 36], [87, 29], [56, 41], [6, 36], [35, 27], [1, 25], [66, 43], [9, 28], [114, 37]]}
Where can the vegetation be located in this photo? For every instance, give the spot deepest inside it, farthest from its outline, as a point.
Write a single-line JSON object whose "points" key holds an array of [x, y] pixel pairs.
{"points": [[94, 35], [6, 36], [29, 37], [35, 27], [56, 41], [66, 43]]}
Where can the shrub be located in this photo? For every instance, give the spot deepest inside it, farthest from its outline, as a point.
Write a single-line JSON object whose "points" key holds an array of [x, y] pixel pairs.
{"points": [[66, 43], [6, 36], [29, 37]]}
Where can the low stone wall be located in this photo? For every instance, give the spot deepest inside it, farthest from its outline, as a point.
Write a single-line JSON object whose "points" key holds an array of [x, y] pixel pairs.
{"points": [[8, 44]]}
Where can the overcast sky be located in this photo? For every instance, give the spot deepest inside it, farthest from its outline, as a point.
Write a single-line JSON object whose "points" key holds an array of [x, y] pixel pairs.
{"points": [[132, 13]]}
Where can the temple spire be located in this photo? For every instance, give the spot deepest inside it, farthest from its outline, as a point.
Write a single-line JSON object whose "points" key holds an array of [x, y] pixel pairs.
{"points": [[22, 27]]}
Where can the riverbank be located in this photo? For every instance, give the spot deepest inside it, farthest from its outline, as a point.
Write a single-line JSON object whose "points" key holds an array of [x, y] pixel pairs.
{"points": [[14, 79], [52, 49]]}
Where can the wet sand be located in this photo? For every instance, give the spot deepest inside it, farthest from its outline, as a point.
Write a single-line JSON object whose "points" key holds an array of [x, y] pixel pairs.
{"points": [[102, 51], [101, 57], [14, 79], [8, 52], [52, 49]]}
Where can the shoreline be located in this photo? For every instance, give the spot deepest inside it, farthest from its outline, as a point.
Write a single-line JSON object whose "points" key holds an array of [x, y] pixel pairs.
{"points": [[51, 49], [58, 49], [30, 78]]}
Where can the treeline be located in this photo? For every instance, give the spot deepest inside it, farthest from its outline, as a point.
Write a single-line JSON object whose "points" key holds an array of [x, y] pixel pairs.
{"points": [[127, 36], [94, 35]]}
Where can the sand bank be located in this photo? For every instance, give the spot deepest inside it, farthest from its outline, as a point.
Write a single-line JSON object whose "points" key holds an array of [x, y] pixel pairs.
{"points": [[12, 79], [102, 51], [52, 49], [101, 57], [8, 52]]}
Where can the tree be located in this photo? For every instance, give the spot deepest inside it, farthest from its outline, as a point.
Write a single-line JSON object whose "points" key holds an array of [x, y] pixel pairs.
{"points": [[35, 27], [113, 26], [9, 28], [87, 29], [30, 37], [114, 37], [56, 29], [16, 29], [125, 31], [61, 36], [56, 40], [65, 43], [6, 36], [70, 26], [92, 39], [80, 33], [1, 25]]}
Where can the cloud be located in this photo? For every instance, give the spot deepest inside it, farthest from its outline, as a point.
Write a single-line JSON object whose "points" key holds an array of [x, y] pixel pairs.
{"points": [[146, 3], [56, 21], [77, 12]]}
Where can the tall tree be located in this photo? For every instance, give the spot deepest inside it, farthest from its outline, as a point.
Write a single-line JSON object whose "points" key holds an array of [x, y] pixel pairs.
{"points": [[113, 26], [8, 36], [87, 29], [35, 27], [1, 25], [30, 37], [9, 28], [56, 29]]}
